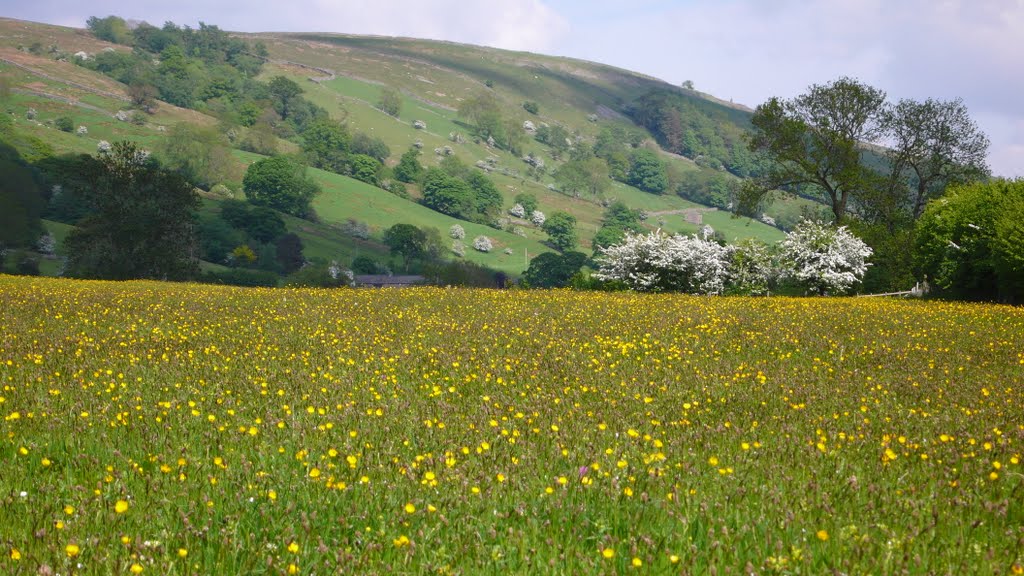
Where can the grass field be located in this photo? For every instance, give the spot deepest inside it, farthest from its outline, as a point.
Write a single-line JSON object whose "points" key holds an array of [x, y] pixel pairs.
{"points": [[186, 429]]}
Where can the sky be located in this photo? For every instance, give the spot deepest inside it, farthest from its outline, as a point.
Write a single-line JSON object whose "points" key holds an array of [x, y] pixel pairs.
{"points": [[741, 50]]}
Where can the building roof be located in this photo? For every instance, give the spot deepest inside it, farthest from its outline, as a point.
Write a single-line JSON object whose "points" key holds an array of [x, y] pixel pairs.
{"points": [[382, 280]]}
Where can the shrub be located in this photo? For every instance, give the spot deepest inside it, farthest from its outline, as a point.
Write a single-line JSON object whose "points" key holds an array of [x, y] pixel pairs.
{"points": [[657, 262], [482, 243], [822, 259], [457, 232]]}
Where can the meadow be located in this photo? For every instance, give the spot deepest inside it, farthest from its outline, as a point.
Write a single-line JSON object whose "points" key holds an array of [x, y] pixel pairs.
{"points": [[184, 429]]}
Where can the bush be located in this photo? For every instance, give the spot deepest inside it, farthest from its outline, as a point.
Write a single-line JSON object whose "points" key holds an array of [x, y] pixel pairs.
{"points": [[657, 262], [483, 243], [457, 232], [65, 124], [970, 243], [822, 259]]}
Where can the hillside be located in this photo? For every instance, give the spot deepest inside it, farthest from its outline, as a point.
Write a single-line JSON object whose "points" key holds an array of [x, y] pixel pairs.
{"points": [[591, 104]]}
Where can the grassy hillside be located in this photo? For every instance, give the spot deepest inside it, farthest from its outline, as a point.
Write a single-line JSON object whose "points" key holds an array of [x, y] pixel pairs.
{"points": [[348, 74]]}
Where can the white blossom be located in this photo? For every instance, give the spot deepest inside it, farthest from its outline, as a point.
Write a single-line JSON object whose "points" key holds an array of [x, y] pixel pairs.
{"points": [[457, 232], [103, 147], [538, 218], [518, 211], [82, 131], [826, 260], [657, 262], [47, 244], [458, 248], [482, 243]]}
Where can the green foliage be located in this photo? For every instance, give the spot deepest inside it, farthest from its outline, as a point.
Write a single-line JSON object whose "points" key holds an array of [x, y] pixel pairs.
{"points": [[142, 226], [21, 200], [65, 124], [706, 187], [814, 140], [280, 183], [647, 172], [372, 146], [317, 275], [390, 101], [409, 168], [366, 265], [556, 137], [366, 169], [607, 236], [326, 144], [408, 241], [528, 201], [531, 107], [970, 243], [583, 176], [619, 215], [447, 194], [473, 196], [484, 111], [551, 270], [200, 154], [289, 252], [241, 277], [561, 230], [217, 238], [698, 129], [112, 29]]}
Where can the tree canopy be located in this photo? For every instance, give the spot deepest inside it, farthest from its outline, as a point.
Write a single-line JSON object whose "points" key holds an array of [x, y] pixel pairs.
{"points": [[280, 183], [142, 223]]}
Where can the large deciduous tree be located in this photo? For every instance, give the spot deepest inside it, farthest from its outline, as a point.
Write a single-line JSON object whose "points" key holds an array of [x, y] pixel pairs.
{"points": [[281, 183], [934, 144], [142, 225], [815, 141]]}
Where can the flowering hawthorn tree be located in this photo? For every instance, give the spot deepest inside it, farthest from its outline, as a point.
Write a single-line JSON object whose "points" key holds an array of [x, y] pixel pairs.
{"points": [[457, 232], [657, 262], [824, 259], [482, 243], [518, 211], [538, 218]]}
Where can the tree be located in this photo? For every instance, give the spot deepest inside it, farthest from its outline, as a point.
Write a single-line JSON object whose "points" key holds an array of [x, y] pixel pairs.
{"points": [[142, 226], [281, 183], [390, 101], [527, 201], [824, 259], [289, 252], [406, 240], [326, 145], [484, 111], [200, 154], [531, 107], [561, 230], [553, 270], [938, 144], [815, 141], [21, 202], [409, 168], [647, 172], [143, 95], [657, 262], [112, 29], [372, 146], [447, 194], [970, 242], [366, 169], [576, 176]]}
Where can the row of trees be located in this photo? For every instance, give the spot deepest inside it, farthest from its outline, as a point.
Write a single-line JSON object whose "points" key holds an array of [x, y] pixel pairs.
{"points": [[814, 257]]}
